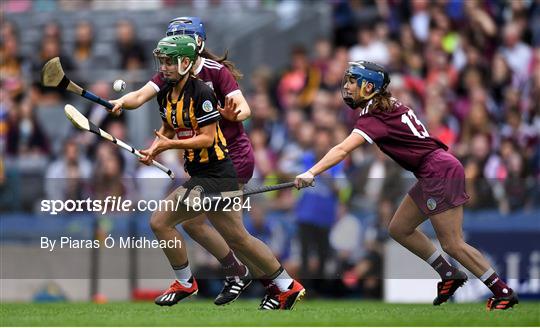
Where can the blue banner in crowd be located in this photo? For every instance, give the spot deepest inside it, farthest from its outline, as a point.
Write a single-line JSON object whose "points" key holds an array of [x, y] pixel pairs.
{"points": [[515, 255]]}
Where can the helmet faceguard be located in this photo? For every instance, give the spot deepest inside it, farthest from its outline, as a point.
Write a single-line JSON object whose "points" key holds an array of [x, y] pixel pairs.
{"points": [[172, 50], [188, 25], [363, 72]]}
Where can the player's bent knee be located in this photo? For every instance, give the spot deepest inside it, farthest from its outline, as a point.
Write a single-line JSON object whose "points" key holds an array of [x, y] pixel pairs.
{"points": [[158, 222], [398, 232], [194, 228], [453, 247], [393, 231], [239, 241]]}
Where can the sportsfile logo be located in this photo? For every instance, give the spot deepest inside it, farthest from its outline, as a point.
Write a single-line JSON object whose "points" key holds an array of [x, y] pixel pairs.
{"points": [[109, 204]]}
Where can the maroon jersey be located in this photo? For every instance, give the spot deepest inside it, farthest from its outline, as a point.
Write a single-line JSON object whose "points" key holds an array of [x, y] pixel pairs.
{"points": [[399, 134], [220, 79]]}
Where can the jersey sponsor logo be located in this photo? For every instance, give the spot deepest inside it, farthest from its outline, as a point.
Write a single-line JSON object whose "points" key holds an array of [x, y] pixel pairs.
{"points": [[431, 204], [184, 133], [207, 106]]}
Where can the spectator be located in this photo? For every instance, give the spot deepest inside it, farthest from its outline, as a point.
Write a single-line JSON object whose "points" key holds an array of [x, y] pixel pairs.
{"points": [[84, 42], [367, 273], [271, 232], [67, 177], [323, 55], [420, 19], [12, 64], [516, 52], [478, 187], [316, 209], [132, 53], [369, 47], [265, 159], [297, 87], [25, 135], [108, 177], [50, 48], [346, 239], [300, 141], [85, 52], [53, 29]]}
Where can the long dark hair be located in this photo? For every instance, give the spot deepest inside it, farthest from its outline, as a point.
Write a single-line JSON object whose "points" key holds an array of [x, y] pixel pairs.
{"points": [[383, 101], [223, 60]]}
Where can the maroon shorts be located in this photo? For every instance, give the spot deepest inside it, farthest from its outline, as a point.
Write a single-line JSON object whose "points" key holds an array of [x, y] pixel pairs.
{"points": [[441, 183], [241, 154]]}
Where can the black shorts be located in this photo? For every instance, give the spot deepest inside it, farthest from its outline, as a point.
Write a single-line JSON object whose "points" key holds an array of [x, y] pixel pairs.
{"points": [[213, 178]]}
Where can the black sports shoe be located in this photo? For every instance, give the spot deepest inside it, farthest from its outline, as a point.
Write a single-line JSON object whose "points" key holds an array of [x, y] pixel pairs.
{"points": [[232, 289], [270, 301], [447, 287], [502, 303]]}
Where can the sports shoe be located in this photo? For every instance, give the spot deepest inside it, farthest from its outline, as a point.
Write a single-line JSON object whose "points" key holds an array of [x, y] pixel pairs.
{"points": [[274, 299], [447, 287], [176, 293], [502, 303], [232, 289]]}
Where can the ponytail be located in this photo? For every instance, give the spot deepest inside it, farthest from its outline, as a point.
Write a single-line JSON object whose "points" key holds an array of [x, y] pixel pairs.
{"points": [[383, 101], [223, 60]]}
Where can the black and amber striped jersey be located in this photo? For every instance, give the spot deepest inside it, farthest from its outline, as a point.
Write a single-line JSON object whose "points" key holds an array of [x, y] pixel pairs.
{"points": [[195, 107]]}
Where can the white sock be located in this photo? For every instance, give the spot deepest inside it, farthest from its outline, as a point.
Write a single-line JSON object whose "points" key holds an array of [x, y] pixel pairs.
{"points": [[183, 274], [433, 257], [283, 281], [487, 274]]}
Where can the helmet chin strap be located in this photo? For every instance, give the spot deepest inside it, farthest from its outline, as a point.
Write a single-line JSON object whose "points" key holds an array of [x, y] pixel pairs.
{"points": [[182, 73], [202, 46], [362, 97]]}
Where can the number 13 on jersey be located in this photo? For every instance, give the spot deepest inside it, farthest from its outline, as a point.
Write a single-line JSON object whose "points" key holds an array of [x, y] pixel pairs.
{"points": [[417, 128]]}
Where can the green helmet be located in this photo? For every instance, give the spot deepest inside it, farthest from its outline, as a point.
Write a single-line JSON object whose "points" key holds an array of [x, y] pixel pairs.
{"points": [[178, 47]]}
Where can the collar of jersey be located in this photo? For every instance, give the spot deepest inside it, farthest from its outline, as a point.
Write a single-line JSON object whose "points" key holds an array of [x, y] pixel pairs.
{"points": [[180, 95], [368, 104]]}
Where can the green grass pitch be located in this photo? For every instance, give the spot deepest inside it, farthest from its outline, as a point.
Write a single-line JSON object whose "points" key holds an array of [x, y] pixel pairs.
{"points": [[245, 313]]}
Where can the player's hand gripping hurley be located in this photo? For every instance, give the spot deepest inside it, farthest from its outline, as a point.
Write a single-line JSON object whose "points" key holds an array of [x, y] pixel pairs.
{"points": [[81, 122]]}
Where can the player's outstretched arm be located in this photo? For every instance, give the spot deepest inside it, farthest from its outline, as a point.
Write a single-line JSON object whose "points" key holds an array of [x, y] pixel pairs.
{"points": [[134, 99], [333, 157]]}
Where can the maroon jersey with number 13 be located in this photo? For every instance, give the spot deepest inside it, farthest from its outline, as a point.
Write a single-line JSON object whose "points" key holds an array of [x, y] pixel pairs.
{"points": [[399, 134]]}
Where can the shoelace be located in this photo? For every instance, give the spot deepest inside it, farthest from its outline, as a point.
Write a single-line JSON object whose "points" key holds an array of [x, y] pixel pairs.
{"points": [[232, 280], [230, 283]]}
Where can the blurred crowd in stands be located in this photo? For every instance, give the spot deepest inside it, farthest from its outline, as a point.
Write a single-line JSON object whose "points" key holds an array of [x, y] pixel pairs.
{"points": [[470, 70]]}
